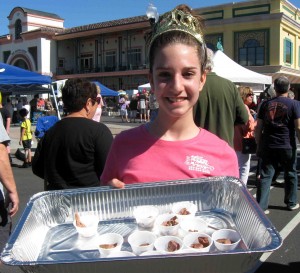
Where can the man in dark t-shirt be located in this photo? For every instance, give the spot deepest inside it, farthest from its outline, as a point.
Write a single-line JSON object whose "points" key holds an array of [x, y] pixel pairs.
{"points": [[277, 124]]}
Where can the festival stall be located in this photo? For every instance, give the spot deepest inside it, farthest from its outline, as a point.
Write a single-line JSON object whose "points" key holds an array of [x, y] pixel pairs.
{"points": [[229, 69], [18, 81], [105, 91]]}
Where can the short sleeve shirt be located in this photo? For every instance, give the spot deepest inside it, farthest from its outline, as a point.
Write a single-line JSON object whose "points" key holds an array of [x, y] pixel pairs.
{"points": [[278, 115]]}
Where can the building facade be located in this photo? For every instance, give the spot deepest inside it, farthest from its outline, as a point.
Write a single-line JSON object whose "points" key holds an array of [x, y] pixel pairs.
{"points": [[263, 36]]}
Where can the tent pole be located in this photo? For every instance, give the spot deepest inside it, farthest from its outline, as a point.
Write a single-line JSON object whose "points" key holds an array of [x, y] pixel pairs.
{"points": [[56, 106]]}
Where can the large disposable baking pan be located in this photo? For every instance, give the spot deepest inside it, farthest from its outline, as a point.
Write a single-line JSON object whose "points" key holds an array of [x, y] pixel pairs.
{"points": [[45, 239]]}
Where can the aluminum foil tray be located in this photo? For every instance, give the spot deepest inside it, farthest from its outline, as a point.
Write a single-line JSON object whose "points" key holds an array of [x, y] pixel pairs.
{"points": [[45, 240]]}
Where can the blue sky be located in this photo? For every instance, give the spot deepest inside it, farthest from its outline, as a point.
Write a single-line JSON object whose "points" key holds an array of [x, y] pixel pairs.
{"points": [[83, 12]]}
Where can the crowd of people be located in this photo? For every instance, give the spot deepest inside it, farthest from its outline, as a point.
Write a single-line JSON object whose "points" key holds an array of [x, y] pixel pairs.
{"points": [[193, 124], [142, 106]]}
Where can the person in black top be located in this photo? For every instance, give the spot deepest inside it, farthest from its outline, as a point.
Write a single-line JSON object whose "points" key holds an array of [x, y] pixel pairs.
{"points": [[278, 122], [73, 152], [133, 105]]}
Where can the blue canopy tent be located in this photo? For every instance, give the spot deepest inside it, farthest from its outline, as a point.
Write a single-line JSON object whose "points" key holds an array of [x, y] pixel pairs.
{"points": [[105, 91], [10, 74], [15, 80]]}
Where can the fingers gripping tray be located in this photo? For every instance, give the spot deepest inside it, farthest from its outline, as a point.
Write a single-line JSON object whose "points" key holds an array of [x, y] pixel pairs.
{"points": [[45, 239]]}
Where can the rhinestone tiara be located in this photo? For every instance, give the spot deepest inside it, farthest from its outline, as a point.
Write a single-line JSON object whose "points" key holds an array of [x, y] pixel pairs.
{"points": [[177, 20]]}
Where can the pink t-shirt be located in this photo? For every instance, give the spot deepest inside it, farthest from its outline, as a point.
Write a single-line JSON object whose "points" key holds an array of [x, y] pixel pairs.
{"points": [[137, 157]]}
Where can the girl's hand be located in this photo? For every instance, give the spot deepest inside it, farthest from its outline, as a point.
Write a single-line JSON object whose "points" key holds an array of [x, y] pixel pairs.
{"points": [[116, 183]]}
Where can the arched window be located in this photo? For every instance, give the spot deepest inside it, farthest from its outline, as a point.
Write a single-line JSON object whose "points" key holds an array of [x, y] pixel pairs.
{"points": [[22, 64], [252, 53], [18, 29]]}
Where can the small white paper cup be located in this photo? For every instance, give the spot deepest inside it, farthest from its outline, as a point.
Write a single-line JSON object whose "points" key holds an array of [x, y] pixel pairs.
{"points": [[193, 225], [109, 239], [141, 241], [192, 238], [166, 230], [230, 234], [161, 244], [91, 222], [145, 216], [180, 208]]}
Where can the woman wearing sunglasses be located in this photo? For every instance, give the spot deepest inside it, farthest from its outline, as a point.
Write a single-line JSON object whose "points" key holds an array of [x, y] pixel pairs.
{"points": [[244, 131], [73, 152]]}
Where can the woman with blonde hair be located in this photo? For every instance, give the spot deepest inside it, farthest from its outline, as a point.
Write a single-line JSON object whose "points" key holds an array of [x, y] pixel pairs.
{"points": [[246, 131]]}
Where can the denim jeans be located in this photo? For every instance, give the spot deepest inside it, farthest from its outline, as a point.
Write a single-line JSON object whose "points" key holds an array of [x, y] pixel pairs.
{"points": [[244, 165], [270, 159]]}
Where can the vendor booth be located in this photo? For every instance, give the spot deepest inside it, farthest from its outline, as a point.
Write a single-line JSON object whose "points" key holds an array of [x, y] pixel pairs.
{"points": [[229, 69], [17, 81], [14, 80], [144, 86], [105, 91]]}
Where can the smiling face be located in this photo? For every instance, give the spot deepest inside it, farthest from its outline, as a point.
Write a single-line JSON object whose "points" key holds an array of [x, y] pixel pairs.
{"points": [[176, 79]]}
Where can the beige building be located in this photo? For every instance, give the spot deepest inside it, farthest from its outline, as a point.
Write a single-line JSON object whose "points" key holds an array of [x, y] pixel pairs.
{"points": [[263, 36]]}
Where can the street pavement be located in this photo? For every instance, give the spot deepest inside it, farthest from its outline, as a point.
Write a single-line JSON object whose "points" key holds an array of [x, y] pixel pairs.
{"points": [[286, 259]]}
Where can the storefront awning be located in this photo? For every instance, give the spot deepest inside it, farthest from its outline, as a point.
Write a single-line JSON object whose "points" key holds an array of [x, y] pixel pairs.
{"points": [[293, 78]]}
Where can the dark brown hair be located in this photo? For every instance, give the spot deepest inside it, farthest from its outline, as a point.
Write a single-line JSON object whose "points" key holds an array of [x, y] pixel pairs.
{"points": [[76, 92]]}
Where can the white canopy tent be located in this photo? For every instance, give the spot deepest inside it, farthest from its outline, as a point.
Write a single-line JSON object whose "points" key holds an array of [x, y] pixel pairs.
{"points": [[229, 69], [144, 86]]}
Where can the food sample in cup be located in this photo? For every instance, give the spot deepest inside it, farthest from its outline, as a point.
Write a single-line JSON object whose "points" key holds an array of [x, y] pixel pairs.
{"points": [[167, 224], [86, 225], [109, 243], [168, 244], [108, 246], [141, 241], [78, 222], [199, 242], [171, 222], [202, 242], [192, 225], [173, 246], [226, 239], [145, 216], [184, 210]]}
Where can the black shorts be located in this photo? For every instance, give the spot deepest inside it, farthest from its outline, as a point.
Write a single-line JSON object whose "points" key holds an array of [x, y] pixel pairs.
{"points": [[27, 143]]}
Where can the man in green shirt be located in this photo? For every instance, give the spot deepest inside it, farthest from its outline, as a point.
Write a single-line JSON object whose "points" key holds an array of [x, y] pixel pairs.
{"points": [[220, 105]]}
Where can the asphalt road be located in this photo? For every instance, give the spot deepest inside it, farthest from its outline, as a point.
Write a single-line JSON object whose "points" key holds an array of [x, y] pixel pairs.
{"points": [[286, 259]]}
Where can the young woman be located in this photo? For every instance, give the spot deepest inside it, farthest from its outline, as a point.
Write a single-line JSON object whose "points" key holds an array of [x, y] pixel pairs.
{"points": [[171, 147]]}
